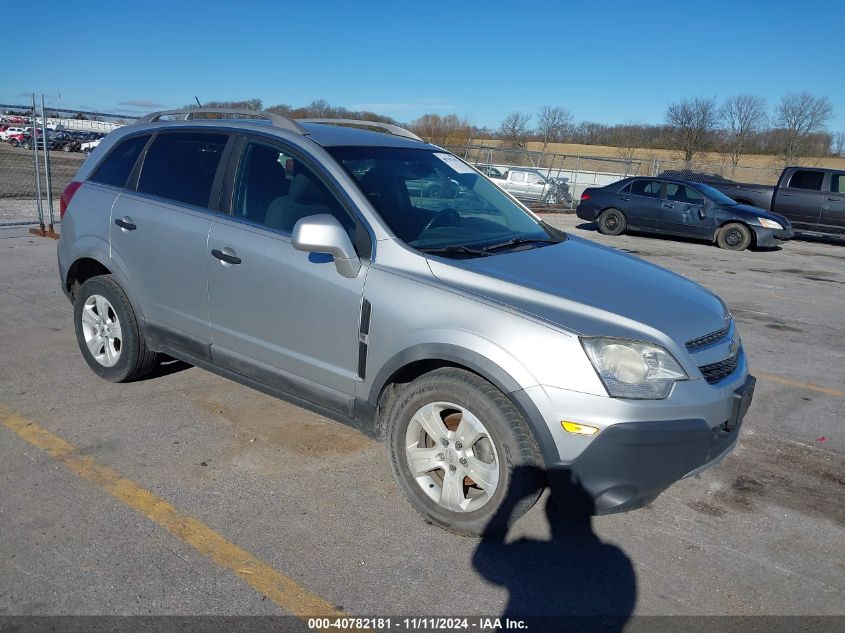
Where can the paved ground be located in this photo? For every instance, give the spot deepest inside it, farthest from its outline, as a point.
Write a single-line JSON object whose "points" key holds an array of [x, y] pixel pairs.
{"points": [[760, 534]]}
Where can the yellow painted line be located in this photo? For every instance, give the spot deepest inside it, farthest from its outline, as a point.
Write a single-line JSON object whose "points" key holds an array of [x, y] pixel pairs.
{"points": [[281, 589], [836, 393]]}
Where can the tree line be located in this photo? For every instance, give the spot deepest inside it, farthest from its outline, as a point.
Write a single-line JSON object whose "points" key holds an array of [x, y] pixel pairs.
{"points": [[736, 126]]}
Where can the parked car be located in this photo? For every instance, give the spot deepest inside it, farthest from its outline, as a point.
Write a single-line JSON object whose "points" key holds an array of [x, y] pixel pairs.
{"points": [[455, 334], [532, 186], [89, 146], [9, 132], [812, 198], [434, 186], [490, 171], [681, 207]]}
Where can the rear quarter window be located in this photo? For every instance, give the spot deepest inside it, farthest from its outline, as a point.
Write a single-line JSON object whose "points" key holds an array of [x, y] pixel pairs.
{"points": [[117, 166]]}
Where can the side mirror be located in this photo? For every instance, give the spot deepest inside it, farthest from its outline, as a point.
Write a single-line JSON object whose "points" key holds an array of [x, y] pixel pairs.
{"points": [[324, 234]]}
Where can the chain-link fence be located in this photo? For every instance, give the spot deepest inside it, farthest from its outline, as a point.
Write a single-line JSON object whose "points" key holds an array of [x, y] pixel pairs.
{"points": [[577, 173], [25, 198]]}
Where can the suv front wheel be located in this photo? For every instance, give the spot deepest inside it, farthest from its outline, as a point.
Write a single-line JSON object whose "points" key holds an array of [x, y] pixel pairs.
{"points": [[108, 333], [462, 454]]}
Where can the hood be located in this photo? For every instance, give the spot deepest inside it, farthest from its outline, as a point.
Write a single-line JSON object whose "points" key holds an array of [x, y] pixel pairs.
{"points": [[750, 212], [591, 289]]}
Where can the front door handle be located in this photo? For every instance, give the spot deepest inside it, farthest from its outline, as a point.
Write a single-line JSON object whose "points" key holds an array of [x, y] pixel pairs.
{"points": [[834, 199], [126, 224], [668, 206], [625, 198], [226, 258]]}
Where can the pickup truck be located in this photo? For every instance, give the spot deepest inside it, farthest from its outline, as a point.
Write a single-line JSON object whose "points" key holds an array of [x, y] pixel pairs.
{"points": [[812, 198], [531, 186]]}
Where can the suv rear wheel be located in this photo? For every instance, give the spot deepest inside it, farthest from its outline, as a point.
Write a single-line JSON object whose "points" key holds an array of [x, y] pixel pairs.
{"points": [[462, 454], [108, 333]]}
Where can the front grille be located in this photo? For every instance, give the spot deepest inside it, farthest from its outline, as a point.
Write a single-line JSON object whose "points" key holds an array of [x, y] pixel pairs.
{"points": [[717, 372], [708, 339]]}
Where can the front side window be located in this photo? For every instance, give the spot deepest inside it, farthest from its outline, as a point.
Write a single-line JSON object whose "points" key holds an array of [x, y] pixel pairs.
{"points": [[837, 183], [181, 166], [468, 212], [682, 193], [518, 176], [534, 179], [117, 166], [276, 190], [811, 180]]}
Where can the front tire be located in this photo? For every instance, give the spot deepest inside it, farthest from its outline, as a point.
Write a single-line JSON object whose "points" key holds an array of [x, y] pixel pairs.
{"points": [[108, 333], [734, 237], [462, 454], [611, 222]]}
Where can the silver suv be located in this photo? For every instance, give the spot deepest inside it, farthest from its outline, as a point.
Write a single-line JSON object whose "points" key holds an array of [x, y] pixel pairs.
{"points": [[494, 354]]}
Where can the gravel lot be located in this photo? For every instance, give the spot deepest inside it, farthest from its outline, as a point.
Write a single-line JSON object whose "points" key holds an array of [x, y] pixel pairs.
{"points": [[760, 534]]}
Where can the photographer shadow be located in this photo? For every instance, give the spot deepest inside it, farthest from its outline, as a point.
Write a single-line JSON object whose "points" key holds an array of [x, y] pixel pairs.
{"points": [[573, 581]]}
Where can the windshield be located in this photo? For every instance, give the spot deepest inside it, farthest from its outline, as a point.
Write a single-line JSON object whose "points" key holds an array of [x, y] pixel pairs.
{"points": [[715, 195], [433, 201]]}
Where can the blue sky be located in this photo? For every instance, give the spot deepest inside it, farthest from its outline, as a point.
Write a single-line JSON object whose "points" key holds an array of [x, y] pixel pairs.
{"points": [[604, 60]]}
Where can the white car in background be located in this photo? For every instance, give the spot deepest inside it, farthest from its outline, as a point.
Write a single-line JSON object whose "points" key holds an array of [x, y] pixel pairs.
{"points": [[88, 146], [10, 131]]}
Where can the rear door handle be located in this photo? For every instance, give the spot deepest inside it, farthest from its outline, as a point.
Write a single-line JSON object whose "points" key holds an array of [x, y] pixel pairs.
{"points": [[625, 198], [126, 224], [668, 206], [226, 258], [834, 199]]}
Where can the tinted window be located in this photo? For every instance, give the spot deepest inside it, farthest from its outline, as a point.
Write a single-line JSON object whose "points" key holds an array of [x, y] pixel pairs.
{"points": [[837, 183], [807, 180], [681, 193], [276, 190], [648, 188], [115, 169], [626, 188], [181, 166]]}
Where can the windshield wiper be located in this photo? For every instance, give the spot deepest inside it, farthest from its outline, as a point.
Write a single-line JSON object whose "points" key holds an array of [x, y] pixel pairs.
{"points": [[516, 241], [452, 249]]}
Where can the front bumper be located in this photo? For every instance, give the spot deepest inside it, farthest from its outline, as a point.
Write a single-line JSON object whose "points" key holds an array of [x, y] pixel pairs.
{"points": [[629, 464], [768, 238]]}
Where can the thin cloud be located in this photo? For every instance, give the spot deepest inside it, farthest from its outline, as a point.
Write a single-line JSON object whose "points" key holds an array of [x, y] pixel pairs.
{"points": [[141, 103], [401, 106]]}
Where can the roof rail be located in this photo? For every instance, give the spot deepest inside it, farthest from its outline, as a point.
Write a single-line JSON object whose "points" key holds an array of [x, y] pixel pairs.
{"points": [[187, 114], [388, 127]]}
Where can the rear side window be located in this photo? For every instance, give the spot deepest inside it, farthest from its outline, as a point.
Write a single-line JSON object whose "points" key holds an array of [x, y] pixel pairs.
{"points": [[518, 176], [837, 183], [117, 166], [811, 180], [647, 188], [181, 166]]}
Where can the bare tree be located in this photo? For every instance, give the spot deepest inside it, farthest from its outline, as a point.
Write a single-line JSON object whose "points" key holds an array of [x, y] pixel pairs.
{"points": [[514, 129], [838, 144], [442, 130], [553, 123], [742, 117], [693, 121], [799, 117]]}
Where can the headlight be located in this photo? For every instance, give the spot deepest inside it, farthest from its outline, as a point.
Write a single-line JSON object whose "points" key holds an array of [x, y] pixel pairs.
{"points": [[770, 224], [632, 369]]}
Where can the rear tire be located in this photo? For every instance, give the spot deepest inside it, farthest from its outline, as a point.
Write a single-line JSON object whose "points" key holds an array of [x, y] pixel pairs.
{"points": [[612, 222], [427, 425], [108, 333], [734, 237]]}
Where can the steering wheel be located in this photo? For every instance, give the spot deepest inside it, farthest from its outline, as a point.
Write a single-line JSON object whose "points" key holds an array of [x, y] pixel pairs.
{"points": [[445, 217]]}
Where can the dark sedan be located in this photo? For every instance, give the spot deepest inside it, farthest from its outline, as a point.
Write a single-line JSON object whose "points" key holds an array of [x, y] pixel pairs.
{"points": [[679, 207]]}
